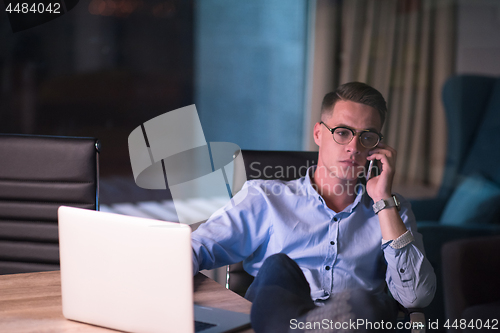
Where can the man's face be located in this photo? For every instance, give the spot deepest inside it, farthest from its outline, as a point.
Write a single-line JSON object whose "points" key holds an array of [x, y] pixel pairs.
{"points": [[345, 161]]}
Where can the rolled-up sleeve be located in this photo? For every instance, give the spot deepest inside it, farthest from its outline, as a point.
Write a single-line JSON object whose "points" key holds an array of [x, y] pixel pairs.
{"points": [[410, 276], [232, 233]]}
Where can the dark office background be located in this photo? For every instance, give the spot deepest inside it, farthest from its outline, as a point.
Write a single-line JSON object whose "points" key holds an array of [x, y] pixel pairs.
{"points": [[105, 67], [99, 74]]}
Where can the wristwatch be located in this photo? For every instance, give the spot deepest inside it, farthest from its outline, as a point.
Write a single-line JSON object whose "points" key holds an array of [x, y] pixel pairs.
{"points": [[387, 203]]}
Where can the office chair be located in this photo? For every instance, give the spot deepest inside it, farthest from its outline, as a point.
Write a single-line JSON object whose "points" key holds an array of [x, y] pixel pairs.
{"points": [[267, 165], [472, 105], [37, 175], [284, 165], [471, 177]]}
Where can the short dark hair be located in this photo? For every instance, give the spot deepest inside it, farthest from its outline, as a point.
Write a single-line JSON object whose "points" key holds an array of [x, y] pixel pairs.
{"points": [[355, 92]]}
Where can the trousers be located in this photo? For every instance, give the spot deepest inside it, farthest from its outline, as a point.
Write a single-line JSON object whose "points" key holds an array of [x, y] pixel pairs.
{"points": [[281, 302]]}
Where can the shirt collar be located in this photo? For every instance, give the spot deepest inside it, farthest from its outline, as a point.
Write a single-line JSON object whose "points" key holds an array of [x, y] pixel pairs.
{"points": [[361, 188]]}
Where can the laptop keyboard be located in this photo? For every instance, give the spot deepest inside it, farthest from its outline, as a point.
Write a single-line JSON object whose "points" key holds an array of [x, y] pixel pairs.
{"points": [[201, 326]]}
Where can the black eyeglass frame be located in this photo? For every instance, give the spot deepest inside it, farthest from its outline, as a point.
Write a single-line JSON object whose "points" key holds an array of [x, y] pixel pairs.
{"points": [[354, 133]]}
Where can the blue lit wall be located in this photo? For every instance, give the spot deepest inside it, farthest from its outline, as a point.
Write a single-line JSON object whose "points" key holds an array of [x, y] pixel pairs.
{"points": [[250, 71]]}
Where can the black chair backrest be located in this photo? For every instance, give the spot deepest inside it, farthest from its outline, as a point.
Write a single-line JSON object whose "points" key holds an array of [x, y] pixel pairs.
{"points": [[260, 164], [37, 175], [284, 165]]}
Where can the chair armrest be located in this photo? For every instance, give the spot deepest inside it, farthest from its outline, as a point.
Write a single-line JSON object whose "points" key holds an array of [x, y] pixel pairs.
{"points": [[414, 316], [238, 280], [428, 209], [417, 320], [435, 235]]}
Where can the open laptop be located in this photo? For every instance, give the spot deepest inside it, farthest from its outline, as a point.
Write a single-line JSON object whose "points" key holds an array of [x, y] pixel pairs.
{"points": [[132, 274]]}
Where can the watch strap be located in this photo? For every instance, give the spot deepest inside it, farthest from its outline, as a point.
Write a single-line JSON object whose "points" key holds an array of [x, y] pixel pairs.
{"points": [[386, 203]]}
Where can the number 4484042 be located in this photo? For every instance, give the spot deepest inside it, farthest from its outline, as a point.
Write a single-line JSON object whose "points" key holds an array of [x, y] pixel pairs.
{"points": [[472, 324], [52, 8]]}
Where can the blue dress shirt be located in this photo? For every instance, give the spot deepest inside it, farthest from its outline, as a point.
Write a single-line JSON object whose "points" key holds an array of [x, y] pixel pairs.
{"points": [[336, 251]]}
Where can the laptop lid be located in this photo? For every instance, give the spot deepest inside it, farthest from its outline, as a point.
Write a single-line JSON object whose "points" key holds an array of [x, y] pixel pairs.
{"points": [[127, 273]]}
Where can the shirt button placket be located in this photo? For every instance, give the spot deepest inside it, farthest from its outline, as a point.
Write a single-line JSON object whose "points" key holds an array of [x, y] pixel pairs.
{"points": [[335, 219], [333, 241], [328, 265]]}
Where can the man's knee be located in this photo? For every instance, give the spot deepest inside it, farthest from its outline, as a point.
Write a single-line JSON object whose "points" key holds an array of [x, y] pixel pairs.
{"points": [[279, 268], [281, 264], [278, 259]]}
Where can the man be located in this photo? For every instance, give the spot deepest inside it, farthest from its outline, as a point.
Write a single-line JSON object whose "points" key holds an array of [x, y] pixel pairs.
{"points": [[336, 246]]}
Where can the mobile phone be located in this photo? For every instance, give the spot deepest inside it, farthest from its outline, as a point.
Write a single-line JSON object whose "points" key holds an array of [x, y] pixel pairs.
{"points": [[373, 169], [370, 167]]}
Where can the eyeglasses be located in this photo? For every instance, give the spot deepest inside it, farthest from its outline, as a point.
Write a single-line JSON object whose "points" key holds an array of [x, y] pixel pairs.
{"points": [[343, 135]]}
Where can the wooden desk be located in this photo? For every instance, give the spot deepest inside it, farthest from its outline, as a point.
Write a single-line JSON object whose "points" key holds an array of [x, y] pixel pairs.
{"points": [[32, 303]]}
